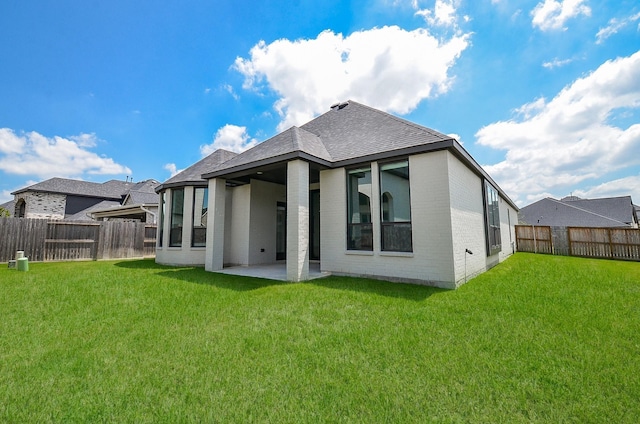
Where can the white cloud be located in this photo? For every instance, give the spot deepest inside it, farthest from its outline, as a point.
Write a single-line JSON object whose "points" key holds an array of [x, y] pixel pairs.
{"points": [[388, 68], [614, 26], [444, 13], [554, 146], [173, 170], [34, 154], [556, 63], [552, 14], [627, 186], [229, 89], [230, 137]]}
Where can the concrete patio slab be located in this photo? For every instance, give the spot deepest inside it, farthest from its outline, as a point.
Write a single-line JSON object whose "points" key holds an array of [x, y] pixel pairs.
{"points": [[272, 271]]}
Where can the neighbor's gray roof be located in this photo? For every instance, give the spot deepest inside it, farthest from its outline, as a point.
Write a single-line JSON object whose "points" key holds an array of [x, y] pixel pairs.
{"points": [[605, 212], [193, 174], [143, 192], [112, 189], [10, 206]]}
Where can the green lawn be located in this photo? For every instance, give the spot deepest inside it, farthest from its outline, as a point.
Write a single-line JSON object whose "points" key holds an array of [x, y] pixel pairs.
{"points": [[536, 339]]}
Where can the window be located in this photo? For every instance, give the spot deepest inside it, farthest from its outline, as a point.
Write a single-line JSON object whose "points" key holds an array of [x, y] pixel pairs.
{"points": [[492, 219], [200, 204], [20, 208], [177, 207], [359, 227], [161, 212], [395, 201]]}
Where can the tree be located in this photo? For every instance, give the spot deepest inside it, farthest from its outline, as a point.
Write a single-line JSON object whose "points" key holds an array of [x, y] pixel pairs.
{"points": [[4, 213]]}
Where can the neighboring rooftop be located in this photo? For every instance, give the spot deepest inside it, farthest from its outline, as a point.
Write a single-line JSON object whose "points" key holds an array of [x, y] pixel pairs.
{"points": [[112, 189], [573, 211]]}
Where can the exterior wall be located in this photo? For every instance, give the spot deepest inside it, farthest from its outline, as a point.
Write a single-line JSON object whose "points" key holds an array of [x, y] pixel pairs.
{"points": [[508, 222], [467, 221], [431, 261], [447, 213], [262, 222], [237, 248], [250, 226], [43, 205]]}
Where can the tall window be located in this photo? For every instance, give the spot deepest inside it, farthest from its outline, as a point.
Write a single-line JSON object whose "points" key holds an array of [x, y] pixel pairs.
{"points": [[161, 212], [359, 228], [177, 211], [395, 202], [200, 204], [492, 219]]}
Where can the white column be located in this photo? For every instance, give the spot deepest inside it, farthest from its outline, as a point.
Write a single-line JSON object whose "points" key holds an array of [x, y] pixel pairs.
{"points": [[297, 220], [375, 206], [214, 254]]}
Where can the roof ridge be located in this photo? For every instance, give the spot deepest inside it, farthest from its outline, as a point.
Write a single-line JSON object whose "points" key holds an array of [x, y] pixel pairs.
{"points": [[585, 210]]}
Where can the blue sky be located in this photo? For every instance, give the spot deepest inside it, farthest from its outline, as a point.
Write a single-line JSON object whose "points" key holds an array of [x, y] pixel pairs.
{"points": [[545, 94]]}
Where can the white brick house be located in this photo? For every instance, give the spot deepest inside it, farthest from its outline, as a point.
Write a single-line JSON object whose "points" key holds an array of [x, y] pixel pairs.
{"points": [[357, 190]]}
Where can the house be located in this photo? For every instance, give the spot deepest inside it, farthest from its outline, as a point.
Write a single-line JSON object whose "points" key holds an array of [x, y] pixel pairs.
{"points": [[355, 191], [62, 198], [572, 211]]}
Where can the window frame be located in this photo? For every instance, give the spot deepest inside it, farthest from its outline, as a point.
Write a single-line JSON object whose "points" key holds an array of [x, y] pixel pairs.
{"points": [[205, 208], [176, 242], [161, 217], [362, 227], [385, 221], [491, 199]]}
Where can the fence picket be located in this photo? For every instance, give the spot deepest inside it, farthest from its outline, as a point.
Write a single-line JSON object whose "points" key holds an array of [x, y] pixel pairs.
{"points": [[608, 243], [44, 240]]}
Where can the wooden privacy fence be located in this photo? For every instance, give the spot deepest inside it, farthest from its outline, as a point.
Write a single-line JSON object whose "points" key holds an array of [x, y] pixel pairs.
{"points": [[44, 240], [536, 239], [610, 243]]}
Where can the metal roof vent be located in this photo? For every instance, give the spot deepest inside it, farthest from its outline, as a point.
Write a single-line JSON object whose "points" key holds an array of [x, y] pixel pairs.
{"points": [[338, 106]]}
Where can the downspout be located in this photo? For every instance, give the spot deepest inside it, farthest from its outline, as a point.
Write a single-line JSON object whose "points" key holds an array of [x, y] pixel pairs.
{"points": [[149, 212]]}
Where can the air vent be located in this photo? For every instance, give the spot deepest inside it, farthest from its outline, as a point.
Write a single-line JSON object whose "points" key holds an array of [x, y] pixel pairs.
{"points": [[338, 106]]}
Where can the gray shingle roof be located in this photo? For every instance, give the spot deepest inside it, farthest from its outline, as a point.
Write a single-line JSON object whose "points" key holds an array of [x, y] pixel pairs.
{"points": [[354, 130], [346, 132], [112, 189], [618, 208], [193, 174], [605, 212], [349, 133], [143, 192]]}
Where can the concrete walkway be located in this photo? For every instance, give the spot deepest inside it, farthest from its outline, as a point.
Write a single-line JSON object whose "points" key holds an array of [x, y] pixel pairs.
{"points": [[272, 271]]}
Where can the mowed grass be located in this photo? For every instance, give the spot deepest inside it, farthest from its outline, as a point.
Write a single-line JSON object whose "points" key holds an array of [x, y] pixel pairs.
{"points": [[536, 339]]}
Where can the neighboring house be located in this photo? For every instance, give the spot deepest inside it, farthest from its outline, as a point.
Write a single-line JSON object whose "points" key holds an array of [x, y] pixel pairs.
{"points": [[357, 190], [62, 198], [572, 211], [8, 207]]}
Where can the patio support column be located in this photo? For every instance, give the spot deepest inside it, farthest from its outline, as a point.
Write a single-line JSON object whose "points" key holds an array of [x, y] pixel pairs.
{"points": [[297, 220], [214, 254]]}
